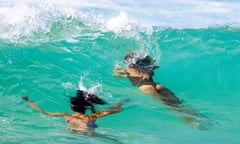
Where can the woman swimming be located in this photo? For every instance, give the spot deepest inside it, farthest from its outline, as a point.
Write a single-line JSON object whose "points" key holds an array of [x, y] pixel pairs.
{"points": [[79, 121], [140, 74], [140, 71]]}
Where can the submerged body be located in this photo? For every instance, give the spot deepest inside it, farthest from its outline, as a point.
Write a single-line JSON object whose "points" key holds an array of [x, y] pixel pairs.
{"points": [[142, 77], [143, 80], [78, 122]]}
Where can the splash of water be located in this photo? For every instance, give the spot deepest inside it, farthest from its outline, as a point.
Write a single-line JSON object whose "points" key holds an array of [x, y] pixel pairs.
{"points": [[96, 88], [81, 85], [120, 23]]}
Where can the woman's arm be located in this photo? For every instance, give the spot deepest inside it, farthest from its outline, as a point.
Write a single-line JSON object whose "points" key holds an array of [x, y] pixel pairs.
{"points": [[120, 72], [36, 107], [113, 109]]}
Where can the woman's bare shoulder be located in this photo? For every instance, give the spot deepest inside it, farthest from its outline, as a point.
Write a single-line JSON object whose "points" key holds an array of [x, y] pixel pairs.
{"points": [[79, 115]]}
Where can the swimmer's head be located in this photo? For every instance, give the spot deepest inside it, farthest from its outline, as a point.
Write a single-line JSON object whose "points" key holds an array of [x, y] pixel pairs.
{"points": [[90, 98], [147, 60], [130, 57], [131, 65], [78, 103], [84, 100], [78, 108], [135, 60]]}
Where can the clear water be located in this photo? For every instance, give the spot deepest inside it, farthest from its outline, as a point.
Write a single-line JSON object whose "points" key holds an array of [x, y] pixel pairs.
{"points": [[47, 48]]}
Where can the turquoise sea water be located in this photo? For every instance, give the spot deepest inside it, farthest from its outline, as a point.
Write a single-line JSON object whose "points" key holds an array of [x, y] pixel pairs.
{"points": [[47, 48]]}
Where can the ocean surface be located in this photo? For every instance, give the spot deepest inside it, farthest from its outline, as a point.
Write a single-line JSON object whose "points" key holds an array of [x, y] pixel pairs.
{"points": [[49, 48]]}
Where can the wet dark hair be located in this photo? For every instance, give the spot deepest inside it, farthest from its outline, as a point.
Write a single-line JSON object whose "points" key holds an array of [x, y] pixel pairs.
{"points": [[147, 63], [147, 60], [84, 100]]}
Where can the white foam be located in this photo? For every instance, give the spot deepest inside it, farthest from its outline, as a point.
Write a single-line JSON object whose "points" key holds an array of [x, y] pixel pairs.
{"points": [[26, 21], [96, 88], [120, 23], [28, 17], [175, 13], [81, 85]]}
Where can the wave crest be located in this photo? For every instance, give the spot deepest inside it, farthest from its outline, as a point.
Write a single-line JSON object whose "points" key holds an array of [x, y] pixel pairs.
{"points": [[30, 23], [39, 23]]}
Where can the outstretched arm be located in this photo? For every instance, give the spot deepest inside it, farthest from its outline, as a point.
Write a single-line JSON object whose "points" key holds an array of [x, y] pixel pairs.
{"points": [[120, 72], [36, 107], [113, 109]]}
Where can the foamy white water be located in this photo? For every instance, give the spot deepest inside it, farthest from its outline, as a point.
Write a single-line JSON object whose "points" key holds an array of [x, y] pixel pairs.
{"points": [[174, 13]]}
